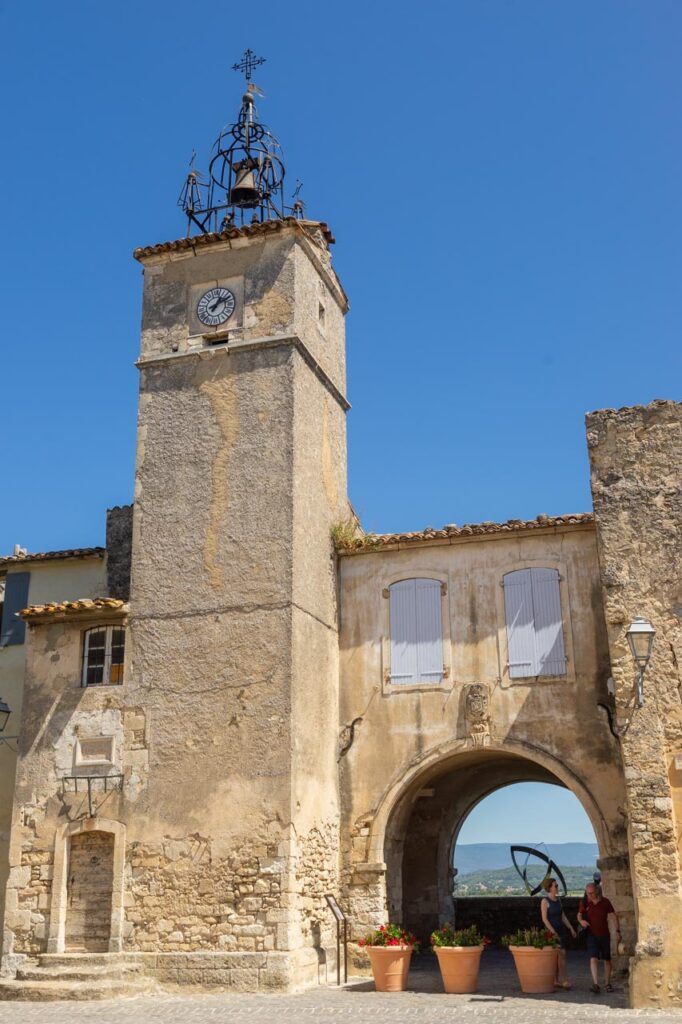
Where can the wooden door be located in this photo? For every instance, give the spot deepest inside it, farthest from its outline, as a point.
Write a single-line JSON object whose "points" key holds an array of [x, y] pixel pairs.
{"points": [[89, 892]]}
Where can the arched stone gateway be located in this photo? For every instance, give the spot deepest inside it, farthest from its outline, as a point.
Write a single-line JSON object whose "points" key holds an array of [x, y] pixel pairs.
{"points": [[411, 837], [421, 832]]}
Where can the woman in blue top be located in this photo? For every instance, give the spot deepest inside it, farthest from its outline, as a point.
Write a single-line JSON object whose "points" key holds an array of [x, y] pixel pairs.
{"points": [[555, 921]]}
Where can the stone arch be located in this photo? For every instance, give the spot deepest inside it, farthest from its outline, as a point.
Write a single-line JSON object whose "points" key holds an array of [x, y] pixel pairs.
{"points": [[472, 774], [58, 904], [449, 756]]}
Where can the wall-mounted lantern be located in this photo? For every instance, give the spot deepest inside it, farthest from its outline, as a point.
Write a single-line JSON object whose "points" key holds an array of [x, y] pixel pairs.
{"points": [[640, 636], [5, 712]]}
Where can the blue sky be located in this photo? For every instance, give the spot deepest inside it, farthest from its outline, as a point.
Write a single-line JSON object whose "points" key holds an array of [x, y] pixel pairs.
{"points": [[528, 812], [503, 179]]}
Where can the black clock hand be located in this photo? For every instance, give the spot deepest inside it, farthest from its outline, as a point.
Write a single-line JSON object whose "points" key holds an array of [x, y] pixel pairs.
{"points": [[215, 305]]}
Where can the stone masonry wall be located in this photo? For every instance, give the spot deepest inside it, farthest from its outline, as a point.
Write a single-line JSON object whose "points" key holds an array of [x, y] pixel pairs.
{"points": [[636, 455], [179, 899], [119, 541], [28, 901], [317, 874]]}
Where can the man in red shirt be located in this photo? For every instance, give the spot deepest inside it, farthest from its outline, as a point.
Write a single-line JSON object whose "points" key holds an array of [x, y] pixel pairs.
{"points": [[594, 916]]}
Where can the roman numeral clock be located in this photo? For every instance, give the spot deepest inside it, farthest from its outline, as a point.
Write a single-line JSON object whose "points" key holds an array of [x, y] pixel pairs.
{"points": [[215, 307]]}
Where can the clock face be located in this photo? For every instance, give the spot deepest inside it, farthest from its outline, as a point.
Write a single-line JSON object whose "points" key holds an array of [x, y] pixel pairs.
{"points": [[215, 306]]}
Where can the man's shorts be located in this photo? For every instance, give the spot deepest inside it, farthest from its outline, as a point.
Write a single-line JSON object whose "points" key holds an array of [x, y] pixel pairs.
{"points": [[599, 946]]}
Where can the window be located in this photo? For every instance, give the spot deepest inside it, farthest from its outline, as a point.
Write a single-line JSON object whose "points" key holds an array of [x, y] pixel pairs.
{"points": [[416, 629], [103, 656], [13, 629], [535, 636]]}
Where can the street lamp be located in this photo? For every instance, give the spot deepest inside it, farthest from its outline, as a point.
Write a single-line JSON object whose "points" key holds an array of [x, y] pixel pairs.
{"points": [[640, 636], [5, 712]]}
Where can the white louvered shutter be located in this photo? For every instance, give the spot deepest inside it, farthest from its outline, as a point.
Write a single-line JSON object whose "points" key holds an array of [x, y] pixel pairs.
{"points": [[518, 607], [549, 634], [429, 631], [403, 625]]}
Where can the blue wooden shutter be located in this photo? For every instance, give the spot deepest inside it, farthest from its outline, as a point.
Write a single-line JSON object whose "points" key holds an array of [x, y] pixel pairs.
{"points": [[429, 631], [403, 626], [518, 607], [13, 630], [549, 633]]}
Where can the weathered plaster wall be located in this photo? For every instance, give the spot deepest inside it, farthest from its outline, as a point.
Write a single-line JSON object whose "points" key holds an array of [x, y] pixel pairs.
{"points": [[415, 747], [241, 472], [319, 309], [635, 457], [319, 481], [211, 650], [50, 581], [278, 280]]}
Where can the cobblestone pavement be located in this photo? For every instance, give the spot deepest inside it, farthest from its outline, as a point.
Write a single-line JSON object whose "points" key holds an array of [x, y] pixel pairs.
{"points": [[499, 1001]]}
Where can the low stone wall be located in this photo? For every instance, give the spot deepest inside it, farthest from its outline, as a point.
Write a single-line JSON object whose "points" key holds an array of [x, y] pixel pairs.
{"points": [[499, 915]]}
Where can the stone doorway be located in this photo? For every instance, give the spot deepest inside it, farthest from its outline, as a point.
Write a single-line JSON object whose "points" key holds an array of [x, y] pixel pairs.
{"points": [[89, 892]]}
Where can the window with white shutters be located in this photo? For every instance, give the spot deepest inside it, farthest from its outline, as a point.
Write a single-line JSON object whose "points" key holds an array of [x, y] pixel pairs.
{"points": [[535, 635], [416, 628]]}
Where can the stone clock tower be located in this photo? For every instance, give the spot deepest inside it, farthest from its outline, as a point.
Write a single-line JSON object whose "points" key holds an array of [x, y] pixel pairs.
{"points": [[241, 474]]}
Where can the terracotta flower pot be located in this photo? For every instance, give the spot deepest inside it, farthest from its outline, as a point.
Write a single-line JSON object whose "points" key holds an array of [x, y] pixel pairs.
{"points": [[390, 966], [536, 968], [459, 967]]}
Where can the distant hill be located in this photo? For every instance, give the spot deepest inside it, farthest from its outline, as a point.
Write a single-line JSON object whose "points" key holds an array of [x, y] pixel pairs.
{"points": [[471, 857], [506, 882]]}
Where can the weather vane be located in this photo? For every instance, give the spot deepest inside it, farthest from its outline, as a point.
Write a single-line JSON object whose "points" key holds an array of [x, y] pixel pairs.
{"points": [[248, 62]]}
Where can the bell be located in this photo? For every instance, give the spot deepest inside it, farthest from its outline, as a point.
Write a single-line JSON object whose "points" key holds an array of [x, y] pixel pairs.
{"points": [[244, 192]]}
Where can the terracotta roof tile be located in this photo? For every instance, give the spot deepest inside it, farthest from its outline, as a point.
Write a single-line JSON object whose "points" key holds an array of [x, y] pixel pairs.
{"points": [[62, 608], [47, 556], [247, 231], [378, 541]]}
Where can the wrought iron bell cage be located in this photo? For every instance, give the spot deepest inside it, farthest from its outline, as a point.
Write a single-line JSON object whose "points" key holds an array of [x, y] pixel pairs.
{"points": [[246, 166], [245, 172]]}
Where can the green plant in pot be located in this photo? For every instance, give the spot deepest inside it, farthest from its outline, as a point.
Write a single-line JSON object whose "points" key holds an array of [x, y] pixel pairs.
{"points": [[535, 956], [459, 956], [390, 949]]}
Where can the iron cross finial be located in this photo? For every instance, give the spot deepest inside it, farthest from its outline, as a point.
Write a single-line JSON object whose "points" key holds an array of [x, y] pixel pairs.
{"points": [[248, 62]]}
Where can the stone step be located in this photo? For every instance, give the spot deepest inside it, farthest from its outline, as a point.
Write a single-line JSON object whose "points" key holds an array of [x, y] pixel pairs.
{"points": [[79, 972], [102, 988], [91, 959]]}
